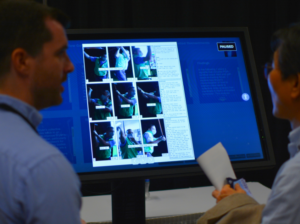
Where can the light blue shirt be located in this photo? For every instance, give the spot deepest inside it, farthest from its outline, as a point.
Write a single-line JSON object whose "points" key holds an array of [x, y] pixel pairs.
{"points": [[283, 205], [37, 183]]}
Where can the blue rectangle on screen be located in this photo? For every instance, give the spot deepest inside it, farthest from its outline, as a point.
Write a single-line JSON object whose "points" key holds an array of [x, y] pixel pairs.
{"points": [[218, 80], [59, 132]]}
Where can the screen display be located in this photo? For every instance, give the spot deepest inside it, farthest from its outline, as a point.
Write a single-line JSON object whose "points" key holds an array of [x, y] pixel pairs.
{"points": [[150, 103]]}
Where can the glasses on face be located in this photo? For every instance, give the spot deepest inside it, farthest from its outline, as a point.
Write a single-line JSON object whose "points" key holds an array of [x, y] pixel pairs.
{"points": [[267, 69]]}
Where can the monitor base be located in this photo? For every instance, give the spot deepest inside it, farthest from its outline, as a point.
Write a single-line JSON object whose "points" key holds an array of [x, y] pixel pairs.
{"points": [[128, 202]]}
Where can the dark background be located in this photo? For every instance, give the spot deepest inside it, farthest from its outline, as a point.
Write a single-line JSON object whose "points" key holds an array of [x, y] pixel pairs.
{"points": [[261, 17]]}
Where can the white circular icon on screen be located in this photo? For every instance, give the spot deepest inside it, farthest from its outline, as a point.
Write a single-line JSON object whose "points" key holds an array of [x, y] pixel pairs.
{"points": [[245, 96]]}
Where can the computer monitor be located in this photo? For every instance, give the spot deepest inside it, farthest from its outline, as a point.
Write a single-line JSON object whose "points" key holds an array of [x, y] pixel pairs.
{"points": [[145, 103]]}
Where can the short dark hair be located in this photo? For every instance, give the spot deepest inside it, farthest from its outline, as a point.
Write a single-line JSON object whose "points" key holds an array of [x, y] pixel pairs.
{"points": [[287, 42], [22, 25], [109, 128], [134, 50], [102, 91]]}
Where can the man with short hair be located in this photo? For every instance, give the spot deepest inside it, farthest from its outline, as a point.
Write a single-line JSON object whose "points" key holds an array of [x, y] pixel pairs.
{"points": [[100, 62], [125, 143], [141, 64], [153, 97], [37, 183], [150, 139], [126, 102], [122, 59], [106, 145], [102, 113], [233, 205]]}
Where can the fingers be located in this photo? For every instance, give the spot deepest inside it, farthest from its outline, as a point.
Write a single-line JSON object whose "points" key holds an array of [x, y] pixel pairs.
{"points": [[226, 187], [238, 188], [227, 191], [215, 194]]}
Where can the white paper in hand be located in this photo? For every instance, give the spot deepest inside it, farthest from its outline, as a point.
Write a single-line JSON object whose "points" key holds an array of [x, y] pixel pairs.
{"points": [[216, 165]]}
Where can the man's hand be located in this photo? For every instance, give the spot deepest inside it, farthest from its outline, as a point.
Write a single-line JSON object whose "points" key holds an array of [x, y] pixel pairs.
{"points": [[163, 138], [227, 191], [83, 222]]}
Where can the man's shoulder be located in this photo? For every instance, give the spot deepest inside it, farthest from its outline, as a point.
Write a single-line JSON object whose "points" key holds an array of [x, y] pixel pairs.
{"points": [[287, 175], [22, 145], [31, 155], [292, 163], [147, 133]]}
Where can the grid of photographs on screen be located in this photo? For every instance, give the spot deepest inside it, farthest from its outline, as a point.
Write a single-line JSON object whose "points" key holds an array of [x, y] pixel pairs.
{"points": [[135, 99]]}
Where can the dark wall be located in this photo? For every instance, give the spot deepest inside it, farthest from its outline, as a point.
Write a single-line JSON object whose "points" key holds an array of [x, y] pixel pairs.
{"points": [[261, 17]]}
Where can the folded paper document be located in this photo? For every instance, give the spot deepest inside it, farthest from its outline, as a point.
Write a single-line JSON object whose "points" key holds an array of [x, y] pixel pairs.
{"points": [[216, 165]]}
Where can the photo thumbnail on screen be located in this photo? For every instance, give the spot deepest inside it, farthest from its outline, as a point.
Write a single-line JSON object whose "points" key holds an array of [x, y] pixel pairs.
{"points": [[125, 102], [104, 145], [95, 60], [120, 63], [99, 101], [149, 99], [144, 62], [154, 137], [129, 139]]}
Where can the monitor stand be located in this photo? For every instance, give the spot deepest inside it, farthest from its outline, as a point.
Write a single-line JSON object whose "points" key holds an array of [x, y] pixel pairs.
{"points": [[128, 202]]}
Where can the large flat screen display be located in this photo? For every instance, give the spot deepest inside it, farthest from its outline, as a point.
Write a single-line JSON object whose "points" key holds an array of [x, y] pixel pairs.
{"points": [[153, 102]]}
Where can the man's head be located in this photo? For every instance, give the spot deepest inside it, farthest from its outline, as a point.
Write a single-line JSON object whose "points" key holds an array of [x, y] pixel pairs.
{"points": [[105, 95], [110, 132], [129, 133], [131, 91], [284, 78], [33, 52], [152, 128], [137, 52], [103, 58], [287, 43]]}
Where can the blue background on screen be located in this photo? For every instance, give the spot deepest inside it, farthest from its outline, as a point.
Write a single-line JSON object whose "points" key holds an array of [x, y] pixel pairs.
{"points": [[223, 117]]}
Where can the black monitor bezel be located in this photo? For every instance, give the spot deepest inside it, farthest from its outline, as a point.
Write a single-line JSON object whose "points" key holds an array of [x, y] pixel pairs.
{"points": [[243, 34]]}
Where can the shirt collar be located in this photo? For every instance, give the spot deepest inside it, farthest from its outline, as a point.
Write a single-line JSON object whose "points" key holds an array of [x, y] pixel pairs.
{"points": [[32, 114], [294, 145]]}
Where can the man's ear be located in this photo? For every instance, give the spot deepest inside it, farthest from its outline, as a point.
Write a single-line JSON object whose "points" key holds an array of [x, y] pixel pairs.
{"points": [[21, 62], [295, 93]]}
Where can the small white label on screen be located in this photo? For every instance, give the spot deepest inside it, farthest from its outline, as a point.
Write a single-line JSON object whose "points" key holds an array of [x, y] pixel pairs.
{"points": [[104, 147], [151, 104]]}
